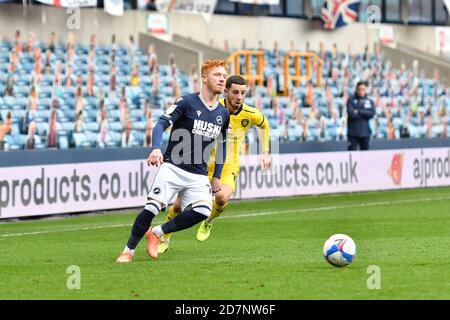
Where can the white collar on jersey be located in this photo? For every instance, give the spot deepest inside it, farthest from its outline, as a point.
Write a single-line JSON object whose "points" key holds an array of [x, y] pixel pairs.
{"points": [[206, 104]]}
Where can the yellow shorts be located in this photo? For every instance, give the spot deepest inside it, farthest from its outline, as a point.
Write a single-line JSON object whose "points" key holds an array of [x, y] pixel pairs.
{"points": [[228, 177]]}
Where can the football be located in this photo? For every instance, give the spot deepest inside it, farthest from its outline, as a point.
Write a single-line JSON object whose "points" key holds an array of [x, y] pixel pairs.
{"points": [[339, 250]]}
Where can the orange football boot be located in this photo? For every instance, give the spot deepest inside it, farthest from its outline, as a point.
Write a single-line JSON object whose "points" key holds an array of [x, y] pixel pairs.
{"points": [[152, 245]]}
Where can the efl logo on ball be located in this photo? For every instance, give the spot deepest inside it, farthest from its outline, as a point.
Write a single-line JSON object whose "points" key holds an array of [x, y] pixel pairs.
{"points": [[339, 250]]}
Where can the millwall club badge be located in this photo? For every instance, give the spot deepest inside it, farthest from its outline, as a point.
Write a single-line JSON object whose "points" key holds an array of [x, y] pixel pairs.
{"points": [[244, 122], [219, 119]]}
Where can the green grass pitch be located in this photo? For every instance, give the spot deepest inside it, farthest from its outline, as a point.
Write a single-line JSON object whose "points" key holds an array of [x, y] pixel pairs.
{"points": [[265, 249]]}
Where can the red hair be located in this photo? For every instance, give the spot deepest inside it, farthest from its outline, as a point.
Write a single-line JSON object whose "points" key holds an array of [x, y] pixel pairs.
{"points": [[211, 64]]}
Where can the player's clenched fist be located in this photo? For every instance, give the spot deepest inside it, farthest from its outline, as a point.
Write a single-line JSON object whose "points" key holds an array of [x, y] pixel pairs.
{"points": [[155, 158]]}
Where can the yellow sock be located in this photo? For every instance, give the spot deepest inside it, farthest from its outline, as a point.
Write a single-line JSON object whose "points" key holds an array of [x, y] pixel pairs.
{"points": [[216, 211], [171, 214]]}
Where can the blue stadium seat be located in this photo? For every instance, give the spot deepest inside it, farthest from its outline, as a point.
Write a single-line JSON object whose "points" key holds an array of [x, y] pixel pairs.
{"points": [[288, 113], [113, 115], [139, 126], [266, 102], [115, 137], [294, 134], [90, 114], [115, 126], [20, 139], [41, 127], [67, 126], [91, 137], [156, 113], [80, 140], [260, 91], [136, 112], [63, 140], [268, 113], [92, 126]]}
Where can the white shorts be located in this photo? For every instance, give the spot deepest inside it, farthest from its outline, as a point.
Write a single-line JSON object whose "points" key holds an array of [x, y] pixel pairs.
{"points": [[171, 180]]}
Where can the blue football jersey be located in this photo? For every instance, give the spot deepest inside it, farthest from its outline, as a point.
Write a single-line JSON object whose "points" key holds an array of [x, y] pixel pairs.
{"points": [[195, 128]]}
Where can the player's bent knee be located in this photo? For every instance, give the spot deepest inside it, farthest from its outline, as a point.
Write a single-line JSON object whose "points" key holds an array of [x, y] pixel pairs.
{"points": [[203, 211], [202, 208], [153, 206], [222, 198]]}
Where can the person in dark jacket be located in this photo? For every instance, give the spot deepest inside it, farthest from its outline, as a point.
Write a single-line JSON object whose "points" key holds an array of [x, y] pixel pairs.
{"points": [[360, 109]]}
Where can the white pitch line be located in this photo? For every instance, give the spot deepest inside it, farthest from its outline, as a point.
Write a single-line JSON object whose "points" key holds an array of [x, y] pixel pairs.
{"points": [[247, 215], [328, 208], [64, 230]]}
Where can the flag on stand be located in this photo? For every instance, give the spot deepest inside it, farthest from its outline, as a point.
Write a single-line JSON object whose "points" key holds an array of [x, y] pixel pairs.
{"points": [[339, 13]]}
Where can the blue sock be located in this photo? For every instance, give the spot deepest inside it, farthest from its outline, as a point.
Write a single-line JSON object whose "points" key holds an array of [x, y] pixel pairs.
{"points": [[140, 227], [185, 220]]}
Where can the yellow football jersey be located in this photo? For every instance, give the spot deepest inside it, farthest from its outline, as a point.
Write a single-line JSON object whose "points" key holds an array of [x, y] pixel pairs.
{"points": [[240, 123]]}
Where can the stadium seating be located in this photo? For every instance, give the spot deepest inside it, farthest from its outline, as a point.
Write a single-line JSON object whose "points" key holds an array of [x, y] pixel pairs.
{"points": [[302, 124]]}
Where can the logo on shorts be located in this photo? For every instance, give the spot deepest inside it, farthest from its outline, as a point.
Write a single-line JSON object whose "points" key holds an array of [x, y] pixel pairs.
{"points": [[245, 122], [157, 191], [219, 119]]}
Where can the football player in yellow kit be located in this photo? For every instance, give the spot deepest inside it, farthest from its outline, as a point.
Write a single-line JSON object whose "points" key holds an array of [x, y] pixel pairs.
{"points": [[242, 118]]}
